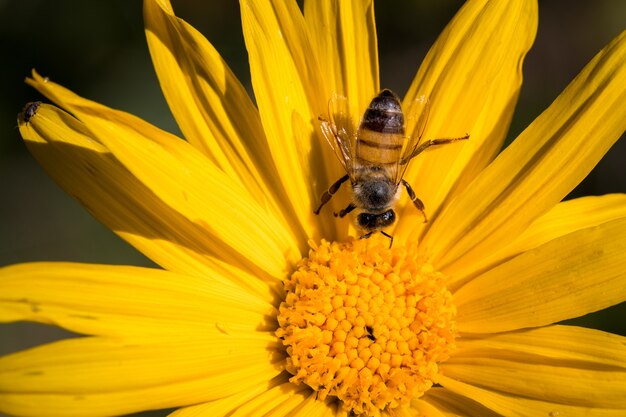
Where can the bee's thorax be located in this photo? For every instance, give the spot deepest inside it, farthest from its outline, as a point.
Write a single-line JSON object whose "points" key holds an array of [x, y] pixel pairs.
{"points": [[374, 190]]}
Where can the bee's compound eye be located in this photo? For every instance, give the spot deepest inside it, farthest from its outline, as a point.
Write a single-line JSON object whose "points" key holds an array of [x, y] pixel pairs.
{"points": [[387, 218], [366, 220]]}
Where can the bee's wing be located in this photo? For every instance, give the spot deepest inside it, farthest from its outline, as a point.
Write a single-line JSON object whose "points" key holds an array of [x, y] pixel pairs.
{"points": [[340, 132], [415, 119]]}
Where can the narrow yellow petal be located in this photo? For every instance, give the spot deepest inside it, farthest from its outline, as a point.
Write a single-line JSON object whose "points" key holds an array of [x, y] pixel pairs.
{"points": [[96, 376], [288, 92], [284, 397], [564, 218], [343, 35], [421, 407], [530, 378], [579, 347], [86, 170], [472, 76], [130, 302], [304, 404], [423, 410], [454, 405], [75, 364], [210, 105], [185, 180], [518, 406], [344, 41], [543, 164], [567, 277], [225, 406]]}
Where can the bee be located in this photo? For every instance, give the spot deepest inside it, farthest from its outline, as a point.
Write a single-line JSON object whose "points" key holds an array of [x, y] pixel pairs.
{"points": [[375, 157]]}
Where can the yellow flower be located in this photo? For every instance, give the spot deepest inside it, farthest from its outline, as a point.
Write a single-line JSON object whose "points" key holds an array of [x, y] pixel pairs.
{"points": [[263, 308]]}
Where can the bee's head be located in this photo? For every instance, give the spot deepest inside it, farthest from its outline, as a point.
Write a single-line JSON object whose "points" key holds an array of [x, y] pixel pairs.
{"points": [[376, 221]]}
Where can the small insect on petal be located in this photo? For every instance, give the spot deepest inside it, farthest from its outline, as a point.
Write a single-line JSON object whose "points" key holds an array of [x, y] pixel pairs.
{"points": [[29, 111]]}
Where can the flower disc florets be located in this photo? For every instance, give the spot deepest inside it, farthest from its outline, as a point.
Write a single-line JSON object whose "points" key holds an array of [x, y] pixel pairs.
{"points": [[366, 323]]}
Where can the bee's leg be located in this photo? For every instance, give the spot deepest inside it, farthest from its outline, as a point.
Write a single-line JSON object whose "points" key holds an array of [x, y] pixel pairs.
{"points": [[416, 201], [389, 236], [332, 190], [432, 142], [346, 210], [366, 235]]}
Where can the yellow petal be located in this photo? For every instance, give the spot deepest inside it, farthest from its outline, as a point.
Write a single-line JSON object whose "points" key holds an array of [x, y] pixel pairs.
{"points": [[95, 376], [185, 180], [562, 219], [287, 89], [567, 277], [577, 346], [453, 405], [281, 400], [225, 406], [86, 170], [560, 383], [472, 76], [124, 301], [210, 105], [343, 36], [421, 408], [543, 164], [304, 404], [518, 406], [424, 410]]}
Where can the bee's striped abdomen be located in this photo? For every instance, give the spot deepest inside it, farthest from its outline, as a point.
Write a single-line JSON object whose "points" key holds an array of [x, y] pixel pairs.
{"points": [[381, 134]]}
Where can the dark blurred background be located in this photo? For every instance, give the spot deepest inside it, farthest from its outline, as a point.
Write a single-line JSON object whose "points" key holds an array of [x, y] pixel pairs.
{"points": [[98, 50]]}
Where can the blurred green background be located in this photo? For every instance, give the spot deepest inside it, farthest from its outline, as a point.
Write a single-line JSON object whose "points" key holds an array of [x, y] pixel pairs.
{"points": [[98, 50]]}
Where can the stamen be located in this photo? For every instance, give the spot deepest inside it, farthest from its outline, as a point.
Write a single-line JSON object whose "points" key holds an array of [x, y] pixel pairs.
{"points": [[366, 323]]}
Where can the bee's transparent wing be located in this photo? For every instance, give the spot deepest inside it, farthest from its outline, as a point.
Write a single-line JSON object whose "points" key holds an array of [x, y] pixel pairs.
{"points": [[415, 118], [340, 132]]}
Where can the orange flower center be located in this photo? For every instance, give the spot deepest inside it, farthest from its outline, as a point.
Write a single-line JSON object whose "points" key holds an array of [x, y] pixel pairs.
{"points": [[366, 324]]}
